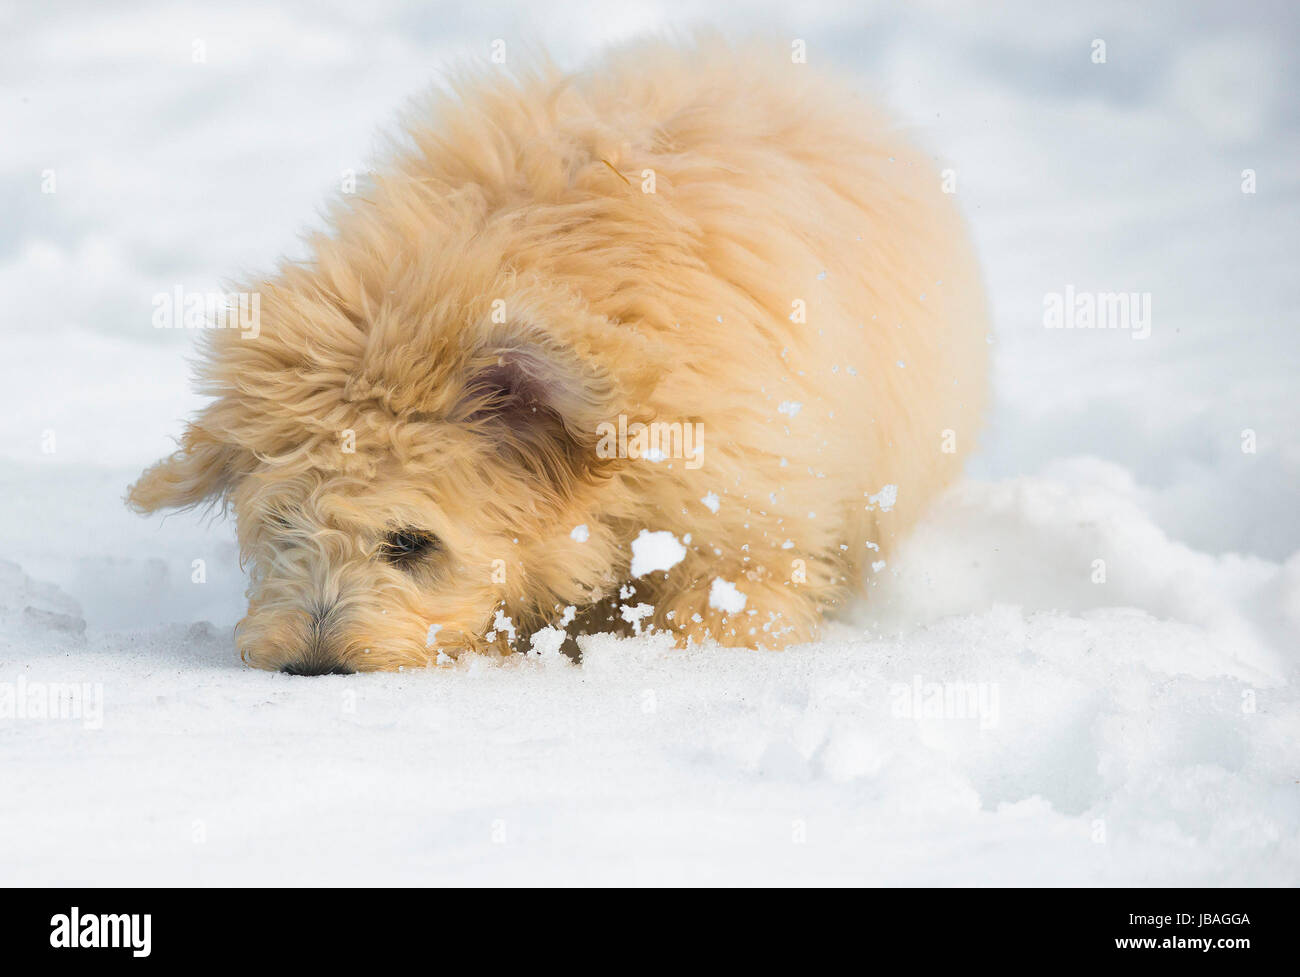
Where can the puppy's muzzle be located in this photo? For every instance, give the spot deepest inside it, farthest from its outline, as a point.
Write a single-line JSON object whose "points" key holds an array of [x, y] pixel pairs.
{"points": [[319, 657]]}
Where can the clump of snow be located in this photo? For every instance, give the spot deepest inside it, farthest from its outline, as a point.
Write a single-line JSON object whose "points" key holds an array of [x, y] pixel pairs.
{"points": [[547, 642], [885, 499], [790, 408], [711, 501], [634, 614], [580, 533], [501, 622], [723, 596], [652, 552]]}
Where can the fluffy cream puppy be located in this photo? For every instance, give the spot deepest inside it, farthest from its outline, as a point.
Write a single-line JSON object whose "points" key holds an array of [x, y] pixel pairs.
{"points": [[690, 291]]}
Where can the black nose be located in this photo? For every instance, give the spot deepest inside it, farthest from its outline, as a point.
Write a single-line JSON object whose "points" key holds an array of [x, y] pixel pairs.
{"points": [[313, 667]]}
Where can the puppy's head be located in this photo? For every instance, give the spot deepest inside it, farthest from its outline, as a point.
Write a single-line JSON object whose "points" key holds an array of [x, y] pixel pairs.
{"points": [[409, 437], [400, 492]]}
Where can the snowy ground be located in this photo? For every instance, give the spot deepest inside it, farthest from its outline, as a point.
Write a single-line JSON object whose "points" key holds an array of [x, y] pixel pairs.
{"points": [[1140, 729]]}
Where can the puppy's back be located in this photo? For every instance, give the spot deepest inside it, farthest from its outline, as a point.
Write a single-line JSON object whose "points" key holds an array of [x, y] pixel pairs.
{"points": [[838, 277]]}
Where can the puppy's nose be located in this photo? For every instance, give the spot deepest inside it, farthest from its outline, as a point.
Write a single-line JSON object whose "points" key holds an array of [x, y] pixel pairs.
{"points": [[317, 656], [313, 666]]}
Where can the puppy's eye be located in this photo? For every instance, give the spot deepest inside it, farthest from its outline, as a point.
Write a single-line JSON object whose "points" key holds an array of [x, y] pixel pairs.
{"points": [[405, 546]]}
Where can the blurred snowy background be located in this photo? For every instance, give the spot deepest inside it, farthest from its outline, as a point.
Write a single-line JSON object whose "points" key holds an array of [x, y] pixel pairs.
{"points": [[1157, 710]]}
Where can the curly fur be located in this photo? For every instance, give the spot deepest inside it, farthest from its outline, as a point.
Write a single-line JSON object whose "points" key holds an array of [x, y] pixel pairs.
{"points": [[527, 187]]}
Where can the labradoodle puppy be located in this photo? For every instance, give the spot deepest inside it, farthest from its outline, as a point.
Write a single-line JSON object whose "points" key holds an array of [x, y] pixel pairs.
{"points": [[685, 341]]}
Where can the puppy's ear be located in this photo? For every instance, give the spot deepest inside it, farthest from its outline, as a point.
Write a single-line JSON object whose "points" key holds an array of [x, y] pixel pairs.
{"points": [[541, 402], [204, 469]]}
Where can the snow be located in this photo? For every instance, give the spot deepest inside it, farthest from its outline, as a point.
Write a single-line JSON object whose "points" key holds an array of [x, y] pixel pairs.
{"points": [[885, 499], [1081, 669], [1142, 736], [547, 642], [723, 596], [635, 614], [654, 551]]}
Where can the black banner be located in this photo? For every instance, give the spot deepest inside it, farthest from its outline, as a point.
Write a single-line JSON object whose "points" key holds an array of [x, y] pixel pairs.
{"points": [[165, 927]]}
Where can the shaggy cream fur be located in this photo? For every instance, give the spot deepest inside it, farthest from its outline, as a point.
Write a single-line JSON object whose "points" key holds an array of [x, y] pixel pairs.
{"points": [[683, 234]]}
